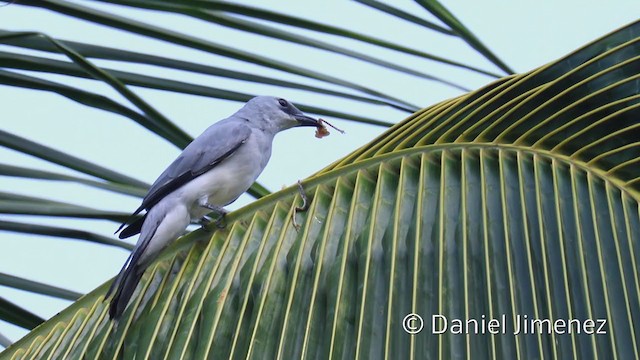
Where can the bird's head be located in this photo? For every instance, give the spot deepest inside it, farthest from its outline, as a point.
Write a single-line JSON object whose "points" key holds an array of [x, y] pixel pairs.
{"points": [[275, 114]]}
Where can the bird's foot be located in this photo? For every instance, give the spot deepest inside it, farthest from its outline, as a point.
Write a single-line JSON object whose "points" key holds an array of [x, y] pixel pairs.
{"points": [[219, 211], [221, 223], [204, 223]]}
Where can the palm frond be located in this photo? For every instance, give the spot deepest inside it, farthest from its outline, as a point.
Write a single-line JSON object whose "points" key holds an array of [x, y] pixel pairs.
{"points": [[37, 287]]}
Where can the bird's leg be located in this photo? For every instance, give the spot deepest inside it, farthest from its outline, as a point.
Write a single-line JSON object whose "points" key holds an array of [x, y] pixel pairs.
{"points": [[218, 210], [304, 207]]}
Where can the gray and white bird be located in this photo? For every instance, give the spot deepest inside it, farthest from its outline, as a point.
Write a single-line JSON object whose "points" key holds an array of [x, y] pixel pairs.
{"points": [[212, 172]]}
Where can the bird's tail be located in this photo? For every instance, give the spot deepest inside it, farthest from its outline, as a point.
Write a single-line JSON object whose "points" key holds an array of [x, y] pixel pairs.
{"points": [[124, 292], [163, 223], [125, 283]]}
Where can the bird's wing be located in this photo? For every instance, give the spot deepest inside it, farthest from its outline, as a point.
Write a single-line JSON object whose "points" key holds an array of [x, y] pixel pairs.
{"points": [[217, 143]]}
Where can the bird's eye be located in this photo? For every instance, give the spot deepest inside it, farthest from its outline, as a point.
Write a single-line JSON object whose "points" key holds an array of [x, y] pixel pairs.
{"points": [[282, 102]]}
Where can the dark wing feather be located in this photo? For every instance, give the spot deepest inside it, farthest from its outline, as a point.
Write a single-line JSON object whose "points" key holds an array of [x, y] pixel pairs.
{"points": [[216, 144], [134, 228]]}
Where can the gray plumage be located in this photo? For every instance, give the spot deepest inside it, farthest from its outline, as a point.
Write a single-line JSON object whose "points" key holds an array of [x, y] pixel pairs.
{"points": [[212, 172]]}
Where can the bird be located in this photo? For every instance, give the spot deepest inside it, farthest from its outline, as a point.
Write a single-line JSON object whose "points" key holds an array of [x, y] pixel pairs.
{"points": [[211, 172]]}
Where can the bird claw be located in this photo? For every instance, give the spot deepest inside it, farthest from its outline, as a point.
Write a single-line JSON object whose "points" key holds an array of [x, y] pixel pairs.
{"points": [[221, 223], [218, 210], [204, 223]]}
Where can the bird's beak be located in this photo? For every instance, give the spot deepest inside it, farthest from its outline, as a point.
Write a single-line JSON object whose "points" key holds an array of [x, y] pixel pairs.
{"points": [[304, 120]]}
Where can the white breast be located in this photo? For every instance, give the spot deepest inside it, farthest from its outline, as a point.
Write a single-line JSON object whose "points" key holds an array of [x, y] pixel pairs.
{"points": [[227, 180]]}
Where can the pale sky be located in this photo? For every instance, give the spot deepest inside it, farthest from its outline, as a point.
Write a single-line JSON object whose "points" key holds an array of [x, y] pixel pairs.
{"points": [[524, 34]]}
